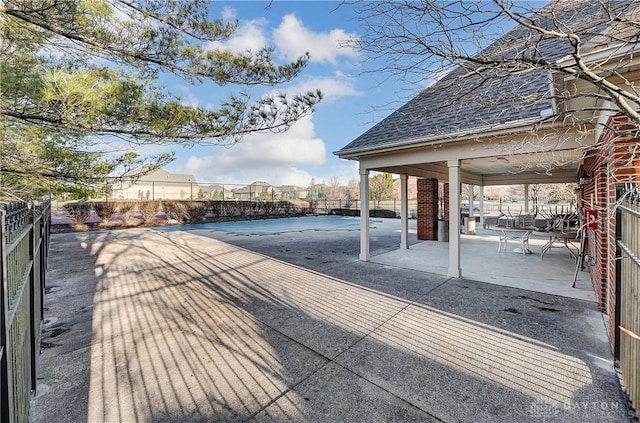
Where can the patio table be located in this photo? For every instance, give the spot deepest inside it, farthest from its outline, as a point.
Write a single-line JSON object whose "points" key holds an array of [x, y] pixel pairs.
{"points": [[564, 237], [513, 233]]}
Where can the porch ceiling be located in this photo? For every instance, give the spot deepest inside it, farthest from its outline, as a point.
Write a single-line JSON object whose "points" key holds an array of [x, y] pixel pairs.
{"points": [[533, 168]]}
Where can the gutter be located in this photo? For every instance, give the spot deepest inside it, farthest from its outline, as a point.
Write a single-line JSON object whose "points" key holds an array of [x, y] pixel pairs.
{"points": [[505, 128], [604, 55]]}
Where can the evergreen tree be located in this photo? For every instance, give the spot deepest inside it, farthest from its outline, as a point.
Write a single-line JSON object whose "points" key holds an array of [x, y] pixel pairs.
{"points": [[80, 91]]}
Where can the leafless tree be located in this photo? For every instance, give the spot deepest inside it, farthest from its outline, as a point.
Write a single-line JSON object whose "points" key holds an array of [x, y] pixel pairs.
{"points": [[381, 187], [352, 193], [334, 190], [571, 62]]}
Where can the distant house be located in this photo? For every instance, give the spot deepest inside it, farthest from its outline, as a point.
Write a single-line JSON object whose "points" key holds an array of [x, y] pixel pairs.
{"points": [[412, 188], [292, 192], [258, 190], [212, 192], [157, 185]]}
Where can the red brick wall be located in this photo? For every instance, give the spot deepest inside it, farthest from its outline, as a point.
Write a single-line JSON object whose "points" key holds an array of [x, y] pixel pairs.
{"points": [[427, 212], [594, 197], [445, 190], [615, 161]]}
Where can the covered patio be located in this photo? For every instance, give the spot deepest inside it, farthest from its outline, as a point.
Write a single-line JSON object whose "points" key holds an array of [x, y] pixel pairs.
{"points": [[482, 262], [497, 160], [493, 119]]}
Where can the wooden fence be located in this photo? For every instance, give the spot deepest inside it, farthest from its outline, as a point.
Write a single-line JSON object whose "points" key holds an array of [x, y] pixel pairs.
{"points": [[627, 341], [24, 244]]}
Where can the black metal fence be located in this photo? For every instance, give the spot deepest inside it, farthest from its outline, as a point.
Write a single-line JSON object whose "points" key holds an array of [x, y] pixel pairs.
{"points": [[24, 244], [627, 336], [325, 206]]}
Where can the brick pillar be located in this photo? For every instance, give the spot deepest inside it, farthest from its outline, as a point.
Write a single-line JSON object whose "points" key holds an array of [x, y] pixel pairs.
{"points": [[427, 209], [445, 195]]}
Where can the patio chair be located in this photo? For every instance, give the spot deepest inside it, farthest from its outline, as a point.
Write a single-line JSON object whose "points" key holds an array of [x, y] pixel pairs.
{"points": [[492, 219], [511, 219], [525, 220]]}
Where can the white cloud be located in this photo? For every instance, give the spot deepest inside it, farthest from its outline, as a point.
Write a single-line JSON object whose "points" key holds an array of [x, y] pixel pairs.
{"points": [[248, 36], [293, 40], [276, 158], [332, 88], [187, 97], [228, 13], [345, 171]]}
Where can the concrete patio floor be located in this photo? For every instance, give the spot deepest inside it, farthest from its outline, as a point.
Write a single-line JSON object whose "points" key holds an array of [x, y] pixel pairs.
{"points": [[144, 326], [481, 261]]}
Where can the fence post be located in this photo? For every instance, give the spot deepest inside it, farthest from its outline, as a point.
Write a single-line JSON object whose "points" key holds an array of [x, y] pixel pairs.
{"points": [[7, 404], [35, 306]]}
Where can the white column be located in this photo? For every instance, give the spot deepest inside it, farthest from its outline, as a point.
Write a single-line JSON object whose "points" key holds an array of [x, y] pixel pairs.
{"points": [[364, 215], [482, 205], [454, 219], [470, 195], [404, 213], [526, 198]]}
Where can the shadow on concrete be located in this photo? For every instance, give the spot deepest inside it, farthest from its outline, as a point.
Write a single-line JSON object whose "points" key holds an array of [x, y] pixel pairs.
{"points": [[182, 327]]}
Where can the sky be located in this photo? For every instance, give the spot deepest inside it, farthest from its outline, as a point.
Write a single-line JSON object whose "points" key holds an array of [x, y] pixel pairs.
{"points": [[353, 100]]}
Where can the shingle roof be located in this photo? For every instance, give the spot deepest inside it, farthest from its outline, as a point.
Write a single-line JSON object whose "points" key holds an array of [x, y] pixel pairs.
{"points": [[160, 175], [254, 187], [455, 104]]}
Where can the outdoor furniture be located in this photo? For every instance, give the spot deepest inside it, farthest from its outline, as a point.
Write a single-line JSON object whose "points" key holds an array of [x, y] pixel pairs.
{"points": [[491, 219], [540, 221], [507, 221], [565, 238], [563, 222], [525, 220], [518, 234]]}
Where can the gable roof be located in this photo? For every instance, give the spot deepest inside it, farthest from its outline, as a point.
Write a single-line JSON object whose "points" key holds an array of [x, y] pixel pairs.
{"points": [[465, 102], [158, 175], [256, 187], [162, 175]]}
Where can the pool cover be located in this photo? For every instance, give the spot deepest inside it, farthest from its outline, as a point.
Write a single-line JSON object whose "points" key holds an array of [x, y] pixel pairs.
{"points": [[275, 226]]}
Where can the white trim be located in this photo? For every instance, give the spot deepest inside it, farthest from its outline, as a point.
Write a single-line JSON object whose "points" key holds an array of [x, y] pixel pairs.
{"points": [[508, 128], [611, 52]]}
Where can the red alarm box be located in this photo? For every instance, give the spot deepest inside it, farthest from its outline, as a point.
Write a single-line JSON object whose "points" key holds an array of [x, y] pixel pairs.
{"points": [[591, 219]]}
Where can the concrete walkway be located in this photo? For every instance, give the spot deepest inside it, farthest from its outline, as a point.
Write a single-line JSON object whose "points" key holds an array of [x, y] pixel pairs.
{"points": [[144, 326]]}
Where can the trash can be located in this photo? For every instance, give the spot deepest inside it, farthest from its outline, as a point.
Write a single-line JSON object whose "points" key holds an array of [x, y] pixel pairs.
{"points": [[443, 231], [470, 225]]}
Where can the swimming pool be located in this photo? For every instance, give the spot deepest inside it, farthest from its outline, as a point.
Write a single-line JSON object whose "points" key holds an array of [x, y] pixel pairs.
{"points": [[275, 226]]}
